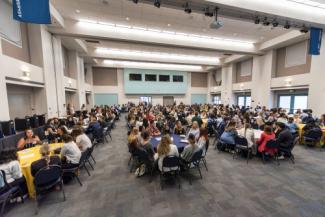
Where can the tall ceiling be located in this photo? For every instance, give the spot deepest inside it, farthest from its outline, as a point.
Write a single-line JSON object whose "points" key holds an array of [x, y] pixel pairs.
{"points": [[166, 19]]}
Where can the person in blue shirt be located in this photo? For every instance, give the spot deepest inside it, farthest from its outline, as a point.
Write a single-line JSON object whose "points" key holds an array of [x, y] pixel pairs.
{"points": [[293, 127]]}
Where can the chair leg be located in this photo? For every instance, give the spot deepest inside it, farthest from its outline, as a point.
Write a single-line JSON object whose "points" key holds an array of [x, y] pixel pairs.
{"points": [[292, 158], [77, 177], [248, 154], [161, 182], [36, 204], [62, 189], [93, 158], [205, 164], [3, 208], [90, 164], [130, 160], [179, 181], [198, 167], [87, 170], [263, 157]]}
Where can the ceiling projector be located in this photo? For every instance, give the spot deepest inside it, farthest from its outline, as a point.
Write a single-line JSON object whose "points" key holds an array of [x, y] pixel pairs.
{"points": [[216, 24]]}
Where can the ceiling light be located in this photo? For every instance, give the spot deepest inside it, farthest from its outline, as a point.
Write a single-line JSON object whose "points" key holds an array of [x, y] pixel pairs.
{"points": [[257, 20], [304, 29], [157, 34], [275, 23], [287, 25], [216, 24], [135, 1], [127, 18], [157, 3], [26, 76], [148, 65], [266, 22], [77, 11], [159, 56], [187, 8], [168, 24], [207, 12]]}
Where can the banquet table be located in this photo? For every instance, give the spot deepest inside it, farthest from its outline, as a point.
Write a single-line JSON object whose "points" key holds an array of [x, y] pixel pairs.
{"points": [[26, 158], [176, 139], [301, 132]]}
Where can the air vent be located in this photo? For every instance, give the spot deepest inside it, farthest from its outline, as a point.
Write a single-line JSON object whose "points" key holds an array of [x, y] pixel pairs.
{"points": [[227, 54], [92, 41]]}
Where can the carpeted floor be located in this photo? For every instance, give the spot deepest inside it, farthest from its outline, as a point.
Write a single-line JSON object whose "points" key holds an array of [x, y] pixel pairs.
{"points": [[230, 188]]}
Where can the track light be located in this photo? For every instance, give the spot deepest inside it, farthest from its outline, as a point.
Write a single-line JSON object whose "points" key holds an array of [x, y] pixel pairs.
{"points": [[207, 12], [275, 23], [304, 29], [216, 24], [287, 25], [257, 20], [157, 3], [135, 1], [266, 22], [187, 8]]}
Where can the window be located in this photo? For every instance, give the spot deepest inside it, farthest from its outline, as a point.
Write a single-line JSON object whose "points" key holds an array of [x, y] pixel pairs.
{"points": [[135, 77], [164, 78], [150, 77], [216, 100], [146, 99], [177, 78], [292, 102], [244, 101]]}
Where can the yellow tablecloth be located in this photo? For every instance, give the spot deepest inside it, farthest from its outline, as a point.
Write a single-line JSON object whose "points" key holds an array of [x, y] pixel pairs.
{"points": [[204, 122], [301, 132], [26, 158]]}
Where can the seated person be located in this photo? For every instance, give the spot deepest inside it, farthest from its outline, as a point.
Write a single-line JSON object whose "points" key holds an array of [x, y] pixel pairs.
{"points": [[94, 126], [153, 129], [49, 134], [203, 139], [197, 118], [265, 137], [179, 130], [45, 161], [70, 122], [70, 153], [189, 149], [248, 133], [228, 136], [293, 127], [165, 148], [60, 133], [82, 140], [134, 135], [284, 138], [195, 130], [29, 140], [10, 165]]}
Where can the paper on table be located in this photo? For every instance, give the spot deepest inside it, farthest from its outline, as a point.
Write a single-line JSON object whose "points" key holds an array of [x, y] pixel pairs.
{"points": [[158, 138], [184, 141], [182, 136], [27, 156]]}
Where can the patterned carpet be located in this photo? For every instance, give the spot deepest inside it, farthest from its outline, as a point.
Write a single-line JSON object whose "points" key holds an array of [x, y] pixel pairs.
{"points": [[230, 188]]}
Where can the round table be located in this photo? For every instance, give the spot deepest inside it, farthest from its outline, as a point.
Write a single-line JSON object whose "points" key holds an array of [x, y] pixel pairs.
{"points": [[176, 139], [26, 158]]}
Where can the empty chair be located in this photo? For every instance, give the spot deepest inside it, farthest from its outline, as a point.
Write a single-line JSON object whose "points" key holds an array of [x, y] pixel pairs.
{"points": [[312, 137], [45, 180], [170, 169], [8, 127], [22, 123]]}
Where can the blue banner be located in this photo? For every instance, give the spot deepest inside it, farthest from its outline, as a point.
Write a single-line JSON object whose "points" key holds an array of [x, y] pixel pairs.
{"points": [[32, 11], [315, 41]]}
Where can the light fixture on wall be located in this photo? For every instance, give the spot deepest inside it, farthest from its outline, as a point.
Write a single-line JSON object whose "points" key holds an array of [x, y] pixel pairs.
{"points": [[69, 81], [26, 76], [241, 86], [288, 82]]}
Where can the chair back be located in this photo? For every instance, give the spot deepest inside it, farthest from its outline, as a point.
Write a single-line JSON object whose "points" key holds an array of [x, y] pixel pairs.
{"points": [[240, 140], [314, 134], [84, 156], [272, 144], [207, 144], [196, 157], [170, 162], [48, 176]]}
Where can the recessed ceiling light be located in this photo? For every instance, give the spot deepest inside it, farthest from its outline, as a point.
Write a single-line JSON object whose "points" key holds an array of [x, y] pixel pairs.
{"points": [[204, 30], [127, 18], [169, 24], [77, 11], [235, 34]]}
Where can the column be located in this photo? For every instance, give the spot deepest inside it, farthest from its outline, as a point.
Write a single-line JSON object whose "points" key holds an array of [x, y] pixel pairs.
{"points": [[227, 96], [4, 105]]}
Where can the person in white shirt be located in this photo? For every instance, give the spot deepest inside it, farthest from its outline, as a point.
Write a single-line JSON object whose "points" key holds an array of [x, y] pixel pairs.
{"points": [[194, 130], [70, 152], [248, 133], [165, 148], [82, 140]]}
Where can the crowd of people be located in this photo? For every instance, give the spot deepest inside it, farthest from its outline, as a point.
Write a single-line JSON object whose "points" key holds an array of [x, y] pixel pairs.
{"points": [[225, 122], [77, 133]]}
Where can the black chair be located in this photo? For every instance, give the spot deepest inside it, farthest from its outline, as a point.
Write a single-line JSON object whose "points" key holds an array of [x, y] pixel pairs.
{"points": [[107, 132], [242, 145], [170, 169], [312, 137], [204, 154], [8, 192], [274, 145], [287, 152], [34, 122], [8, 127], [1, 132], [22, 123], [194, 163], [45, 180]]}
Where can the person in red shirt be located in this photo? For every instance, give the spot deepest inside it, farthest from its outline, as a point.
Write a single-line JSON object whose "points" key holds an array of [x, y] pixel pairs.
{"points": [[265, 137]]}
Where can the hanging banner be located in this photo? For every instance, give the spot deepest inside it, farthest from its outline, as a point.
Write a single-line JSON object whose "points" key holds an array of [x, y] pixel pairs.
{"points": [[32, 11], [315, 41]]}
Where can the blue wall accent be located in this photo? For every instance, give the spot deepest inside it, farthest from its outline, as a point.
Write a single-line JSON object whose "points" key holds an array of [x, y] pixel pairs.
{"points": [[198, 98], [154, 87], [106, 99]]}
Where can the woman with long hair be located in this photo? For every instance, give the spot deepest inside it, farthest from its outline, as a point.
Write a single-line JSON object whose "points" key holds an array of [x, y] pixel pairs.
{"points": [[203, 139], [248, 133], [165, 148]]}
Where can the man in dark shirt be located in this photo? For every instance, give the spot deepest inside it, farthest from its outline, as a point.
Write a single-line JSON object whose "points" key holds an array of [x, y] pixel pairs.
{"points": [[197, 118], [284, 136]]}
